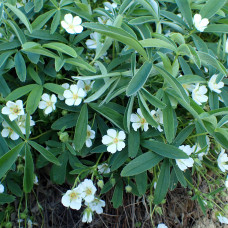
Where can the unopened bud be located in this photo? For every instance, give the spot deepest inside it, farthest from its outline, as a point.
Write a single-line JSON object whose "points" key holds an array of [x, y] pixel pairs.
{"points": [[128, 188], [64, 112], [100, 183], [64, 137], [113, 181]]}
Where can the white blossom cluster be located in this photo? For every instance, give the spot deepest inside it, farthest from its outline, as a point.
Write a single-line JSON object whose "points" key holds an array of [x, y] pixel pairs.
{"points": [[84, 193], [16, 113]]}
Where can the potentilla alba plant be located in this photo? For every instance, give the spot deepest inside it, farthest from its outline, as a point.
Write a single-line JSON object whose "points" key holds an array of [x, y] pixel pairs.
{"points": [[222, 160], [215, 86], [93, 41], [222, 219], [96, 205], [158, 116], [72, 24], [200, 24], [48, 103], [198, 94], [139, 121], [13, 109], [74, 95], [7, 131], [86, 85], [103, 168], [87, 215], [21, 122], [90, 135], [88, 190], [183, 164], [114, 140], [65, 86]]}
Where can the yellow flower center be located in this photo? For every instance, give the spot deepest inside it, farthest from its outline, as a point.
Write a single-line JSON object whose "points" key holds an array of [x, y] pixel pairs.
{"points": [[87, 87], [142, 121], [73, 195], [88, 191], [71, 26], [49, 103], [15, 109], [115, 140], [75, 96], [88, 134]]}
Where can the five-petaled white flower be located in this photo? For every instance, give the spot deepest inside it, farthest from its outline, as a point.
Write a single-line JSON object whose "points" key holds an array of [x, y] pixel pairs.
{"points": [[7, 131], [110, 6], [114, 140], [21, 122], [73, 198], [222, 160], [96, 205], [13, 109], [138, 120], [222, 219], [200, 23], [94, 41], [65, 86], [198, 94], [226, 48], [1, 188], [158, 116], [183, 164], [74, 95], [103, 168], [87, 215], [90, 135], [104, 20], [86, 85], [215, 86], [48, 103], [162, 225], [72, 25], [88, 190]]}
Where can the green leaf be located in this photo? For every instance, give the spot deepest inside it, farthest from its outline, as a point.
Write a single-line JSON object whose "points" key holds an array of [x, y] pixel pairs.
{"points": [[220, 28], [127, 114], [47, 154], [20, 66], [4, 56], [38, 5], [62, 48], [151, 6], [173, 83], [221, 135], [56, 21], [117, 198], [3, 146], [152, 99], [118, 159], [139, 79], [42, 20], [34, 75], [66, 122], [141, 182], [180, 176], [5, 198], [211, 8], [141, 164], [118, 34], [168, 119], [153, 42], [34, 99], [20, 15], [28, 171], [20, 35], [163, 182], [133, 143], [58, 89], [19, 92], [164, 150], [110, 114], [8, 159], [185, 9], [81, 128]]}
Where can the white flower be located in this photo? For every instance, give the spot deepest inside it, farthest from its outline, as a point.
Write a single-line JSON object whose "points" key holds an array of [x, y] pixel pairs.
{"points": [[155, 185], [1, 188], [200, 23], [73, 198], [197, 148], [72, 25], [138, 120], [215, 86], [162, 225], [222, 219], [183, 164], [114, 140], [88, 190], [87, 215], [29, 222], [222, 160], [226, 49], [35, 180], [8, 131], [21, 122], [104, 20], [103, 168], [158, 116], [74, 95], [226, 182], [90, 135], [13, 110], [65, 86], [198, 94], [86, 85], [48, 103], [96, 205], [109, 6], [93, 42]]}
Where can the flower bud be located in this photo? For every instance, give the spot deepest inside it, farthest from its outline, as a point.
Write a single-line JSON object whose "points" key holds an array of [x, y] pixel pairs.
{"points": [[128, 188], [158, 210], [23, 215], [100, 183], [64, 137], [8, 225], [64, 112], [113, 181]]}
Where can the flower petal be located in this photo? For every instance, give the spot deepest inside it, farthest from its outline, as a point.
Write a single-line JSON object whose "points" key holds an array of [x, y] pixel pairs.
{"points": [[112, 148], [120, 145], [68, 94], [68, 18], [78, 29], [107, 139], [69, 101], [64, 25], [112, 133], [77, 20], [42, 105], [121, 135], [134, 118]]}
